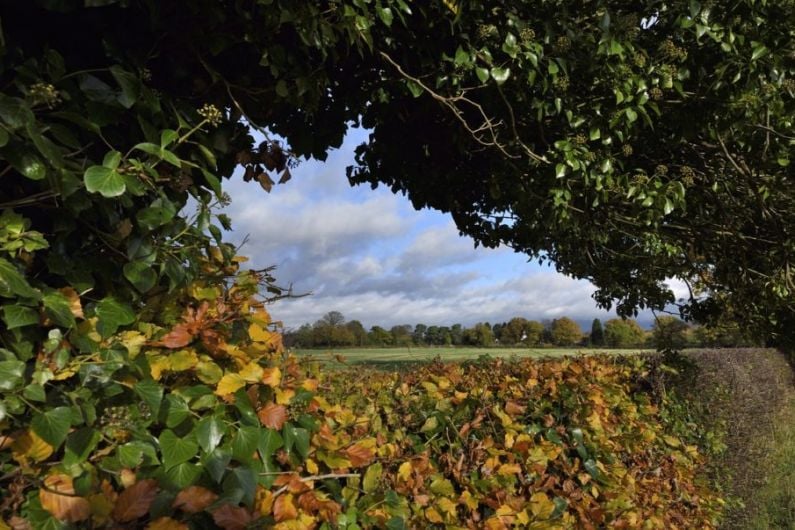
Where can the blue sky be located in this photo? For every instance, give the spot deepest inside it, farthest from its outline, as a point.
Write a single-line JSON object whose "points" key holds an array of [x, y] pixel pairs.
{"points": [[368, 254]]}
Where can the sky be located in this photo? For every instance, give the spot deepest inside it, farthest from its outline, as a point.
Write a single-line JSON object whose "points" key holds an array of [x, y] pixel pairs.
{"points": [[371, 256]]}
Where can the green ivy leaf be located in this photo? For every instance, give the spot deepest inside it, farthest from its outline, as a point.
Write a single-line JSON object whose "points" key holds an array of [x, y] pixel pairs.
{"points": [[112, 314], [79, 445], [11, 374], [500, 74], [151, 393], [140, 274], [297, 437], [183, 475], [53, 426], [13, 283], [104, 180], [17, 316], [209, 433], [244, 443], [176, 450], [58, 308]]}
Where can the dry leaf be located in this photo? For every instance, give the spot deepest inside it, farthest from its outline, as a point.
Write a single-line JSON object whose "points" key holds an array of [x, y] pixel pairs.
{"points": [[194, 499], [58, 497], [179, 337], [134, 502], [74, 301], [273, 416], [272, 376], [283, 508], [230, 517], [359, 455], [166, 523]]}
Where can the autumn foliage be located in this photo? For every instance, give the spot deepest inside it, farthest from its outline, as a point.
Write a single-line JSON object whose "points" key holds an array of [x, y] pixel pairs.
{"points": [[210, 423]]}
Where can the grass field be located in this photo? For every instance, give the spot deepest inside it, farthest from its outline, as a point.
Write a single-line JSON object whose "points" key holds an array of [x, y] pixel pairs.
{"points": [[394, 357]]}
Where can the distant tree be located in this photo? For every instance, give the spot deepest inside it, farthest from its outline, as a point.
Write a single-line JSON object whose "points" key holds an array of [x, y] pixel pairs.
{"points": [[514, 331], [357, 330], [669, 333], [333, 318], [597, 333], [401, 335], [565, 332], [457, 334], [533, 333], [623, 333], [479, 335], [419, 334], [434, 336], [496, 329], [378, 336]]}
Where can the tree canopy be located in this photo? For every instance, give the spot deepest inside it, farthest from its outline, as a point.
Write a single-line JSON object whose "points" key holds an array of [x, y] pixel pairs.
{"points": [[628, 143]]}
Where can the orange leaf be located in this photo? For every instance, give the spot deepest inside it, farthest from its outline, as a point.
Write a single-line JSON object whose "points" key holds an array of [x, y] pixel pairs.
{"points": [[179, 337], [273, 416], [283, 508], [134, 502], [166, 523], [272, 376], [359, 455], [74, 301], [231, 517], [194, 499], [58, 497], [514, 409]]}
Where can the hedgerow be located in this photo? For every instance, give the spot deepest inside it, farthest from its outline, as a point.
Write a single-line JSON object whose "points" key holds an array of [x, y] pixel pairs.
{"points": [[207, 421]]}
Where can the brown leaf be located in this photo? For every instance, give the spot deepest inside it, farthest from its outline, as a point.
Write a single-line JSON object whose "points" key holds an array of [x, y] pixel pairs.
{"points": [[179, 337], [284, 509], [58, 497], [286, 176], [194, 499], [231, 517], [166, 523], [74, 301], [265, 181], [273, 416], [359, 455], [514, 409], [134, 502]]}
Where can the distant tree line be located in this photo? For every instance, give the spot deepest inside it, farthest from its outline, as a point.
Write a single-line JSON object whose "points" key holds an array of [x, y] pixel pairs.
{"points": [[667, 332]]}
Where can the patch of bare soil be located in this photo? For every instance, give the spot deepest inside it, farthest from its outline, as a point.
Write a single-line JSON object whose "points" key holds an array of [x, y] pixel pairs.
{"points": [[749, 389]]}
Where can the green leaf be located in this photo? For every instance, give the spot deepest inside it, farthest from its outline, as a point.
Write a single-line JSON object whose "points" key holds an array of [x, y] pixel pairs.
{"points": [[560, 170], [27, 163], [442, 486], [176, 450], [168, 137], [151, 393], [4, 137], [53, 426], [482, 73], [385, 14], [112, 314], [371, 477], [595, 133], [175, 410], [415, 89], [759, 50], [79, 445], [269, 442], [130, 86], [245, 443], [13, 283], [297, 437], [112, 160], [58, 308], [17, 316], [140, 274], [216, 464], [461, 56], [160, 212], [209, 433], [631, 115], [130, 455], [240, 485], [183, 475], [108, 182], [11, 374], [500, 74]]}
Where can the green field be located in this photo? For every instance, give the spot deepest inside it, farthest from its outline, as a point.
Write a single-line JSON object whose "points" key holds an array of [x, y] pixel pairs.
{"points": [[398, 356]]}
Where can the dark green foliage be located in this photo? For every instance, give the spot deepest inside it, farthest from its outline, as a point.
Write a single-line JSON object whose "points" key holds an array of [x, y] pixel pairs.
{"points": [[597, 337]]}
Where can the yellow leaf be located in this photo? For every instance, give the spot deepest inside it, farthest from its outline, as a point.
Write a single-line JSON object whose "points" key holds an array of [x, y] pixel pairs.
{"points": [[433, 516], [252, 372], [263, 502], [283, 396], [157, 365], [272, 376], [541, 506], [29, 446], [229, 384], [259, 333], [509, 469], [261, 317], [208, 372], [183, 360], [74, 301], [133, 341], [311, 466], [68, 371], [404, 471]]}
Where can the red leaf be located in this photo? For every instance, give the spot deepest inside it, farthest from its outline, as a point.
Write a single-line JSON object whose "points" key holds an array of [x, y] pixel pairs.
{"points": [[179, 337], [134, 502], [359, 455]]}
